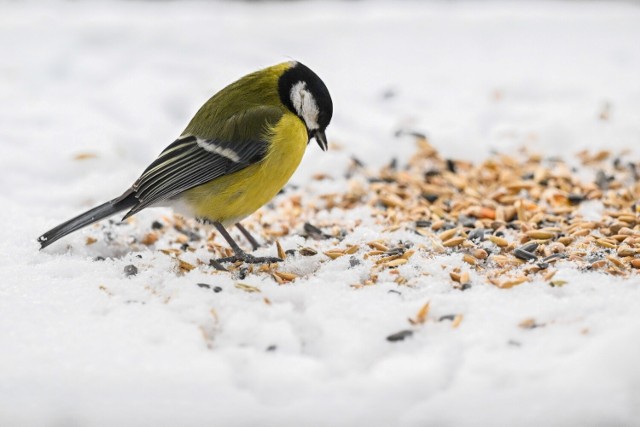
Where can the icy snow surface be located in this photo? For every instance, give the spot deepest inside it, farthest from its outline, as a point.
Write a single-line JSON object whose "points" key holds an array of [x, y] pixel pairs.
{"points": [[83, 345]]}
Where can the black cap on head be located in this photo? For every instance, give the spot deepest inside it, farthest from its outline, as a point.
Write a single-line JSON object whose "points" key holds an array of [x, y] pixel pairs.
{"points": [[306, 95]]}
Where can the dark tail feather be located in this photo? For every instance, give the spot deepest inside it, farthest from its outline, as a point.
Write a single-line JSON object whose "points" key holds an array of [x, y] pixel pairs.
{"points": [[116, 205]]}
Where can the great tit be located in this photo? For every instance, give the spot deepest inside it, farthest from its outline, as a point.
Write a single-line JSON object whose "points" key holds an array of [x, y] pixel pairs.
{"points": [[235, 155]]}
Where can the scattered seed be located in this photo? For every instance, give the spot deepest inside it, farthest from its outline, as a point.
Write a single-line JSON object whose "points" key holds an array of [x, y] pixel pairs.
{"points": [[400, 336], [529, 323], [507, 284], [395, 251], [598, 264], [554, 248], [602, 181], [629, 219], [351, 250], [581, 233], [605, 243], [465, 278], [387, 259], [372, 253], [480, 254], [395, 263], [85, 156], [184, 266], [130, 270], [456, 241], [575, 199], [469, 259], [421, 316], [615, 261], [334, 253], [477, 235], [408, 254], [625, 251], [314, 232], [149, 238], [281, 254], [540, 234], [447, 234], [437, 225], [246, 288], [499, 241], [525, 252], [530, 247], [554, 257], [378, 245], [558, 283], [451, 165], [306, 251], [457, 320], [170, 251], [286, 277]]}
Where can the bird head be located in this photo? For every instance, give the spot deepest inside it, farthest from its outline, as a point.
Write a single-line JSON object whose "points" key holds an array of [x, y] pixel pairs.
{"points": [[302, 91]]}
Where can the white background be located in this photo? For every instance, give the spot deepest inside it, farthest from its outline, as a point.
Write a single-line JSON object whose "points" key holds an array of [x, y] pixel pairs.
{"points": [[81, 344]]}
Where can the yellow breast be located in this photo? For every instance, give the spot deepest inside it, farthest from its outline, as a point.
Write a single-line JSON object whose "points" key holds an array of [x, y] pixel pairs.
{"points": [[230, 198]]}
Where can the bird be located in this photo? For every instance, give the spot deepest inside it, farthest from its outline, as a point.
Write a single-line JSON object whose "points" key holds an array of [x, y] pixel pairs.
{"points": [[237, 152]]}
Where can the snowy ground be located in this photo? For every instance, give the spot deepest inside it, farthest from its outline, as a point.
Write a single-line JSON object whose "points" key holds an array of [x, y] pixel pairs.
{"points": [[81, 344]]}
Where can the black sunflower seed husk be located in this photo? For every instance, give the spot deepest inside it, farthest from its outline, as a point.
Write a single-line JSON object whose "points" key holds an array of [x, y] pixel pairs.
{"points": [[314, 232], [400, 336]]}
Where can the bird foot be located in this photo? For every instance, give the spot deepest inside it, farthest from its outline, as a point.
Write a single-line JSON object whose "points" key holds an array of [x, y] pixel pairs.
{"points": [[246, 258]]}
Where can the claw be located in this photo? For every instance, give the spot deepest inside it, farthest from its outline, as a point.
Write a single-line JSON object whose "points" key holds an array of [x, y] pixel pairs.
{"points": [[239, 254], [249, 259], [216, 264]]}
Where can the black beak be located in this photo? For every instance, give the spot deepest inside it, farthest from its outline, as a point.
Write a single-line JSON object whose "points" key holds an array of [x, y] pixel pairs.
{"points": [[321, 139]]}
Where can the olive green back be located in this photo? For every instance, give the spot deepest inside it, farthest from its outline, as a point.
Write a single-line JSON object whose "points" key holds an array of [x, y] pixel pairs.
{"points": [[242, 111]]}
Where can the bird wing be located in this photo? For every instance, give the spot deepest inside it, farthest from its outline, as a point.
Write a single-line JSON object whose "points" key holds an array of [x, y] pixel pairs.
{"points": [[191, 161]]}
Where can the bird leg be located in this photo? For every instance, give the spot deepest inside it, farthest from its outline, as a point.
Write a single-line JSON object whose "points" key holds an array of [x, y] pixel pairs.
{"points": [[239, 254], [254, 243]]}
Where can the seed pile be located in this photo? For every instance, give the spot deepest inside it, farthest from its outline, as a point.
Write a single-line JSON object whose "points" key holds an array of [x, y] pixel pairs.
{"points": [[511, 219]]}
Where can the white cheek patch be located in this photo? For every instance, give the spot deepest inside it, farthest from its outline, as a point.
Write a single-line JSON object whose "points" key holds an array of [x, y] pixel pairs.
{"points": [[212, 147], [305, 105]]}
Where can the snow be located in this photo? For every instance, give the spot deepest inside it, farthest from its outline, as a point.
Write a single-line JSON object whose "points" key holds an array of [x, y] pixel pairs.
{"points": [[82, 344]]}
